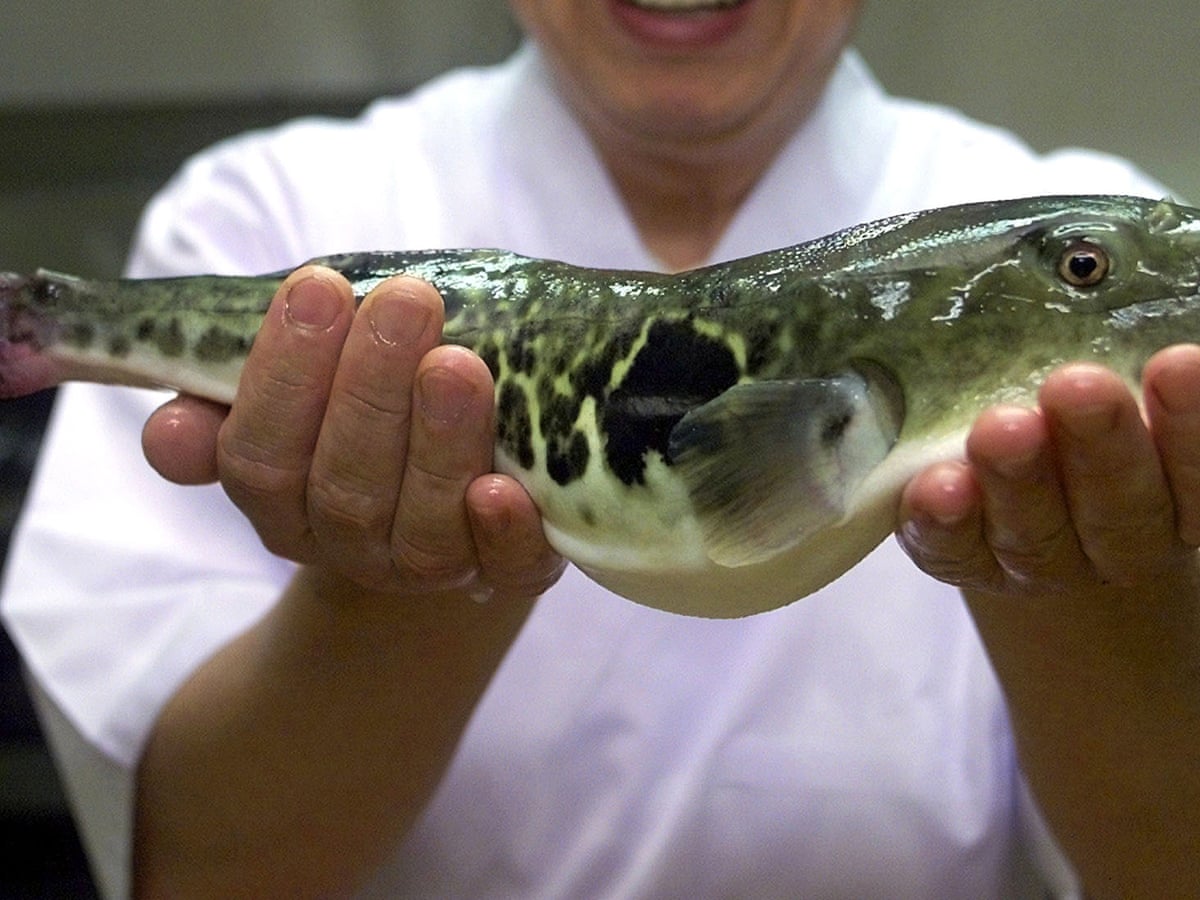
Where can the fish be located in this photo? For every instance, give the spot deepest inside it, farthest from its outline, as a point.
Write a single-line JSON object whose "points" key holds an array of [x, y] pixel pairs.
{"points": [[722, 441]]}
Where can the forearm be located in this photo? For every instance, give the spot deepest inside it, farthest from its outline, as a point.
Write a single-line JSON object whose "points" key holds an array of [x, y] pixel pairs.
{"points": [[299, 755], [1104, 692]]}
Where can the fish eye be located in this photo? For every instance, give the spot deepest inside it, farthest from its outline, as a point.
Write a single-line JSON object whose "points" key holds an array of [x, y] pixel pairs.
{"points": [[1083, 264]]}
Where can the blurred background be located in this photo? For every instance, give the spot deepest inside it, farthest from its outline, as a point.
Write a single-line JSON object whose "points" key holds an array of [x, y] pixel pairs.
{"points": [[100, 100]]}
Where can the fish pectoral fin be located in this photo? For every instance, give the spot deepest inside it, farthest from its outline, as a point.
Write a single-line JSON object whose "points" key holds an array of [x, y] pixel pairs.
{"points": [[768, 464]]}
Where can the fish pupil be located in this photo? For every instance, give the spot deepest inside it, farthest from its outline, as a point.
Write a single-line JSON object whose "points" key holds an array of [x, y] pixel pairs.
{"points": [[1082, 267]]}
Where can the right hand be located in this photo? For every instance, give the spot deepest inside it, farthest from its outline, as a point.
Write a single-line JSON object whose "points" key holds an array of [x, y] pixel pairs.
{"points": [[358, 445]]}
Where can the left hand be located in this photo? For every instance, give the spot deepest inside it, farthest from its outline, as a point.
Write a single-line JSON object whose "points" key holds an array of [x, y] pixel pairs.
{"points": [[1080, 493]]}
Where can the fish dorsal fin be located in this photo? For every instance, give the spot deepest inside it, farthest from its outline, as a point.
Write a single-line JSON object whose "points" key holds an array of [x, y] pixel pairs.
{"points": [[769, 463]]}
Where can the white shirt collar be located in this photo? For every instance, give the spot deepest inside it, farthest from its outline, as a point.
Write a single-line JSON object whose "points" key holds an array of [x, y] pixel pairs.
{"points": [[550, 164]]}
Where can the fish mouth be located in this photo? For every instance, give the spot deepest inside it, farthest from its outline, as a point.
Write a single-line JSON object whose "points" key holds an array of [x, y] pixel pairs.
{"points": [[25, 334], [22, 324], [18, 325]]}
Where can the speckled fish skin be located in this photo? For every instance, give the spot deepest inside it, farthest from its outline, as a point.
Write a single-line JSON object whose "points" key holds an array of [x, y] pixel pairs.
{"points": [[725, 440]]}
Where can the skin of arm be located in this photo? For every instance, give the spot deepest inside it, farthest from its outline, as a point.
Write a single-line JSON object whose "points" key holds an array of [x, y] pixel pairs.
{"points": [[1071, 530], [293, 760]]}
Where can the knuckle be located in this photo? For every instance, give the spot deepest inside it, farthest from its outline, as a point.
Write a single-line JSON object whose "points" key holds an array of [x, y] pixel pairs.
{"points": [[1030, 551], [366, 405], [252, 465], [437, 485], [343, 506], [432, 567], [255, 486], [957, 561], [269, 495], [1032, 556]]}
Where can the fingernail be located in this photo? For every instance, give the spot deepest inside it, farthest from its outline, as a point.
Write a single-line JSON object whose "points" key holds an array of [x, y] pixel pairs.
{"points": [[312, 305], [396, 322], [445, 396], [949, 503]]}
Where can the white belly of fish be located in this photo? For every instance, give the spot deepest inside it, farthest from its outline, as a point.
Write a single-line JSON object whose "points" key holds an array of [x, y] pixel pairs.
{"points": [[647, 543]]}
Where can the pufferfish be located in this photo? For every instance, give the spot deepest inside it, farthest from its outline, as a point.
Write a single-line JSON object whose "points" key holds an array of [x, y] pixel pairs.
{"points": [[720, 441]]}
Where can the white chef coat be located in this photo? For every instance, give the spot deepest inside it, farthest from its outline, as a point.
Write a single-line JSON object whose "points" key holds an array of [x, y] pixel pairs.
{"points": [[854, 744]]}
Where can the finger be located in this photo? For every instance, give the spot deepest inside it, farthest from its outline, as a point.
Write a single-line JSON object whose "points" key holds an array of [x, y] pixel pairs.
{"points": [[1115, 487], [1172, 397], [941, 527], [514, 558], [354, 484], [265, 447], [1027, 523], [450, 445], [180, 439]]}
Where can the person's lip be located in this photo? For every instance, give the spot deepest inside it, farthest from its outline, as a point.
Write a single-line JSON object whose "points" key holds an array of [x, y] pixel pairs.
{"points": [[681, 25]]}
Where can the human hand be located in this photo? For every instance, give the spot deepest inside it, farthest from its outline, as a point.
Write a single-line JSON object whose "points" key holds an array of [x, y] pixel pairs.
{"points": [[1081, 493], [358, 445], [1071, 530]]}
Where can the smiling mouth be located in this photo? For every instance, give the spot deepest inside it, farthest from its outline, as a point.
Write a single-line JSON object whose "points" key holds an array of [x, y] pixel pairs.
{"points": [[684, 5]]}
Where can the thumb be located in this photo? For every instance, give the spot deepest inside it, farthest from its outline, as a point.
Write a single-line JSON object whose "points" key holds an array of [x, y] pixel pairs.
{"points": [[180, 439]]}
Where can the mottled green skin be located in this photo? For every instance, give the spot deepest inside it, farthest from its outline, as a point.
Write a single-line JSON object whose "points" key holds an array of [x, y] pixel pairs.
{"points": [[945, 311], [960, 306]]}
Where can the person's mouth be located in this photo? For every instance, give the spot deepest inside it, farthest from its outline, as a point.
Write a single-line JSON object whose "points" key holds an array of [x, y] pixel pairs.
{"points": [[681, 23], [684, 5]]}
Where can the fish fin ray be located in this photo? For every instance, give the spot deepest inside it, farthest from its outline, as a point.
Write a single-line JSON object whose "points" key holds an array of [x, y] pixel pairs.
{"points": [[768, 464]]}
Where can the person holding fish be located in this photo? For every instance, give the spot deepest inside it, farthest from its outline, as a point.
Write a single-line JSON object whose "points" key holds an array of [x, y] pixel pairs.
{"points": [[286, 683]]}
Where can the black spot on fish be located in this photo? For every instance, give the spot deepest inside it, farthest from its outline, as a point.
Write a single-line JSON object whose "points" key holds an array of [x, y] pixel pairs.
{"points": [[218, 345], [514, 428], [762, 347], [119, 345], [79, 334], [559, 413], [145, 329], [490, 354], [567, 464], [593, 377], [168, 338], [521, 355], [676, 370]]}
